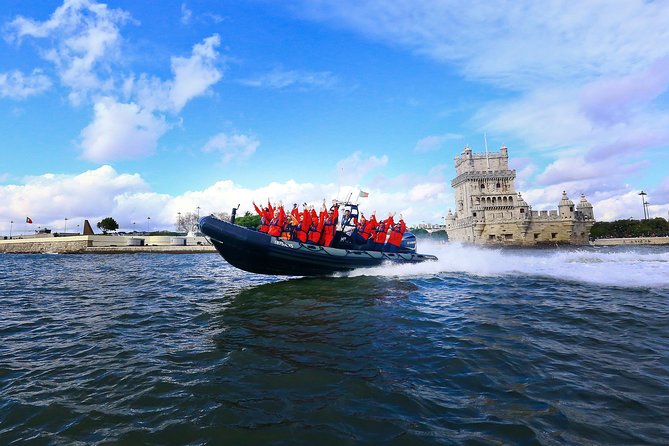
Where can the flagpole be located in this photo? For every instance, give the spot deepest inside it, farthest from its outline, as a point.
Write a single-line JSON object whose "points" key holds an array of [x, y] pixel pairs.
{"points": [[485, 138]]}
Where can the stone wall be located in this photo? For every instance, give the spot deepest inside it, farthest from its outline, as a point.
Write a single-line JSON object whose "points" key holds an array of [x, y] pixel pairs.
{"points": [[52, 245], [100, 243]]}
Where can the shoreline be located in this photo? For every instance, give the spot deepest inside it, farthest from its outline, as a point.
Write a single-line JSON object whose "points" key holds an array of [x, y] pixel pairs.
{"points": [[109, 244]]}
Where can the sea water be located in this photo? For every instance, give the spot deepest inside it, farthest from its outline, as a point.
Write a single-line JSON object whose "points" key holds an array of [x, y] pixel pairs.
{"points": [[485, 346]]}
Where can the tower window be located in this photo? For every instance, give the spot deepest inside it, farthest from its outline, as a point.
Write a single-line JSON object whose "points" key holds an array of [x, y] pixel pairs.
{"points": [[482, 186]]}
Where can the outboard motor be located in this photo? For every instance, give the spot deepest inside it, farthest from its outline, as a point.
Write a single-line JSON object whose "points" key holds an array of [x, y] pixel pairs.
{"points": [[408, 242]]}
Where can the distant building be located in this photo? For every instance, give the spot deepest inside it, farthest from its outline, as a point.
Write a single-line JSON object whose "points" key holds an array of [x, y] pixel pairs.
{"points": [[490, 211]]}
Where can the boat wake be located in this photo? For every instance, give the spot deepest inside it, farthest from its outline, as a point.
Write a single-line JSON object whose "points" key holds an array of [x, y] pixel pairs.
{"points": [[624, 267]]}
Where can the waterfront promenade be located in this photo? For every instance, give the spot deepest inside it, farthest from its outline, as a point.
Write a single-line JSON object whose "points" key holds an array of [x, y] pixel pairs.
{"points": [[631, 241], [106, 244]]}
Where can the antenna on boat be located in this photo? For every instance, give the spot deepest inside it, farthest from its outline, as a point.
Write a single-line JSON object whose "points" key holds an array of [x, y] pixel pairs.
{"points": [[487, 158], [341, 174]]}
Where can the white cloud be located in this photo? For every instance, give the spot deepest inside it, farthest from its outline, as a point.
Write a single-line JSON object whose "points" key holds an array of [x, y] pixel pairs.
{"points": [[50, 198], [85, 35], [278, 78], [232, 147], [512, 44], [131, 130], [573, 169], [85, 44], [354, 168], [195, 74], [434, 142], [16, 85], [102, 192], [186, 14], [121, 131]]}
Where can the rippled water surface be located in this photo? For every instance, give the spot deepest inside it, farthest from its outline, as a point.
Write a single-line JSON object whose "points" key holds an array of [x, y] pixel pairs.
{"points": [[482, 347]]}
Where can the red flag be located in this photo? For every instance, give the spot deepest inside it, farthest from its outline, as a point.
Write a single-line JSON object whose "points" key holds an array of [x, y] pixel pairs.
{"points": [[363, 194], [28, 220]]}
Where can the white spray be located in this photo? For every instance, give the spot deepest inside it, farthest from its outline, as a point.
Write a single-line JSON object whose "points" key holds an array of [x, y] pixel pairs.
{"points": [[624, 268]]}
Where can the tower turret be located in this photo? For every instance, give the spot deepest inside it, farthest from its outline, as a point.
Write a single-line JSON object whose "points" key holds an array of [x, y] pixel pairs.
{"points": [[450, 219], [566, 207], [523, 207], [585, 208]]}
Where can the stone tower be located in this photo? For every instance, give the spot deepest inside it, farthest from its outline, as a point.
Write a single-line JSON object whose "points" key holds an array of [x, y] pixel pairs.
{"points": [[490, 211]]}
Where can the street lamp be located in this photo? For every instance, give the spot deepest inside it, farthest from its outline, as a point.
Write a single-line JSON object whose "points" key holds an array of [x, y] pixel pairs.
{"points": [[645, 204], [178, 221], [133, 226], [148, 220], [65, 230], [198, 214], [11, 226]]}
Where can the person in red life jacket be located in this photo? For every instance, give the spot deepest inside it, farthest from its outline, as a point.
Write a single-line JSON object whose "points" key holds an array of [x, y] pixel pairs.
{"points": [[289, 226], [265, 217], [302, 226], [316, 227], [395, 236], [330, 225], [295, 212], [372, 233], [381, 229], [276, 224], [364, 230]]}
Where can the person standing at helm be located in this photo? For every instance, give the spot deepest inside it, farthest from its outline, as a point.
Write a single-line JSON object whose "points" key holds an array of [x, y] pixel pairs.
{"points": [[397, 230]]}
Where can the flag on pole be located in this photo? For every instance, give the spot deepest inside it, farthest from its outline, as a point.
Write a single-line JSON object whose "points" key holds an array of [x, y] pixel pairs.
{"points": [[363, 194], [29, 220]]}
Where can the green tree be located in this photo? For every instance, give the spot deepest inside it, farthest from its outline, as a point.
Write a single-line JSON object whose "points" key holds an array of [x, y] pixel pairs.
{"points": [[107, 224], [658, 227], [248, 220]]}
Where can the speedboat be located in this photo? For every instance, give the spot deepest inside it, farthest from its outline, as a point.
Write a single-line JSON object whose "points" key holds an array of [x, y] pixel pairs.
{"points": [[261, 253]]}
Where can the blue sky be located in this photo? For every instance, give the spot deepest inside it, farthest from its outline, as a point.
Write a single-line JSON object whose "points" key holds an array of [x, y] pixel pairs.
{"points": [[136, 109]]}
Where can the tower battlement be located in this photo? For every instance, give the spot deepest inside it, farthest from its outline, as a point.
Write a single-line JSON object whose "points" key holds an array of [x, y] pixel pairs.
{"points": [[469, 161]]}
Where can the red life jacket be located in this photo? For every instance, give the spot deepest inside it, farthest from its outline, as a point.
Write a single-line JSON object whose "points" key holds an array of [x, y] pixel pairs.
{"points": [[275, 226], [381, 230], [315, 230], [264, 220], [329, 228], [396, 232], [303, 227], [365, 229]]}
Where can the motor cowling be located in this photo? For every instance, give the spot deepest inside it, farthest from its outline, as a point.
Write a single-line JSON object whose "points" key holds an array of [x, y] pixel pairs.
{"points": [[408, 242]]}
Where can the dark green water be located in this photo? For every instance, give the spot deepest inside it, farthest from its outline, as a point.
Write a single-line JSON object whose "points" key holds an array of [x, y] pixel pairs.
{"points": [[483, 347]]}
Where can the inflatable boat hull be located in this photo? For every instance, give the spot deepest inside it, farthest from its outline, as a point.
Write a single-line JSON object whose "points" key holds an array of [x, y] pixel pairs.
{"points": [[261, 253]]}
